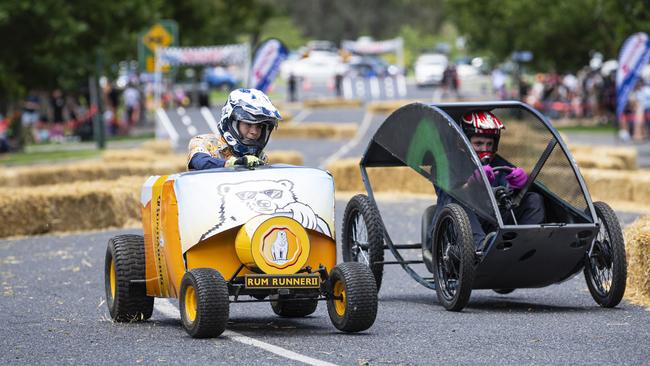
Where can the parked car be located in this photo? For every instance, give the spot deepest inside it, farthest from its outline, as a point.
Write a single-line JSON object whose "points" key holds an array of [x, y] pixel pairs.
{"points": [[218, 77], [430, 68], [318, 66], [371, 67]]}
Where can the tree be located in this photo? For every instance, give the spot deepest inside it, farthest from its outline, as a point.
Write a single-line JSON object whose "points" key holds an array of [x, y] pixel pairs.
{"points": [[561, 34]]}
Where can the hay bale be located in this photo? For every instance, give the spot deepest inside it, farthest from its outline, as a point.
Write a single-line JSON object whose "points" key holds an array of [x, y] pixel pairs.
{"points": [[637, 239], [70, 207], [623, 157], [87, 171], [387, 107], [158, 146], [331, 103], [316, 130], [608, 184], [285, 157], [347, 177]]}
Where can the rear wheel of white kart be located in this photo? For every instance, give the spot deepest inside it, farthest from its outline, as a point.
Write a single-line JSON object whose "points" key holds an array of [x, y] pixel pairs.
{"points": [[204, 303], [124, 275], [352, 304], [293, 308], [453, 258], [363, 238], [605, 267]]}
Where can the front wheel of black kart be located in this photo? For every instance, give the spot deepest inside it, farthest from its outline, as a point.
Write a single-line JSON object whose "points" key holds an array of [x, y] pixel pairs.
{"points": [[124, 275], [352, 303], [204, 303], [293, 308], [453, 258], [363, 236], [605, 267]]}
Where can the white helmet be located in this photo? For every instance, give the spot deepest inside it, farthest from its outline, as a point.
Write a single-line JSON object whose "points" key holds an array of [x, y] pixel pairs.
{"points": [[251, 106]]}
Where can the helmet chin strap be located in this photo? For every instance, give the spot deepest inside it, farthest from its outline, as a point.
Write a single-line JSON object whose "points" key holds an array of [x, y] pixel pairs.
{"points": [[485, 157]]}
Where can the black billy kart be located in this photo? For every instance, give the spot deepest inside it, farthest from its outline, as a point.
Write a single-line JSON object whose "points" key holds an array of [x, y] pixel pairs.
{"points": [[576, 234]]}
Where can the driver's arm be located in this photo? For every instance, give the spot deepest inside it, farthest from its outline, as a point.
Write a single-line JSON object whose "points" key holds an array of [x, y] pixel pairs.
{"points": [[200, 161]]}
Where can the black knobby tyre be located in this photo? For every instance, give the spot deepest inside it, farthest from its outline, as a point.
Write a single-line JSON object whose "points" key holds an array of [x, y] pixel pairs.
{"points": [[204, 303], [606, 268], [294, 308], [453, 258], [363, 236], [356, 308], [124, 275]]}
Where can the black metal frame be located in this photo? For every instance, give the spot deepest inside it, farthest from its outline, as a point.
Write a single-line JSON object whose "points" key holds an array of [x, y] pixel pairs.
{"points": [[366, 161]]}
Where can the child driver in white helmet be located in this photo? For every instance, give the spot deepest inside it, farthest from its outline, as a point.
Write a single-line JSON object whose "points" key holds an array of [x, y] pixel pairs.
{"points": [[247, 120]]}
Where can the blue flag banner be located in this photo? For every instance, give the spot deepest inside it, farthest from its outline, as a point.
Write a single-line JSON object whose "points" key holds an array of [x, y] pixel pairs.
{"points": [[266, 63], [633, 56]]}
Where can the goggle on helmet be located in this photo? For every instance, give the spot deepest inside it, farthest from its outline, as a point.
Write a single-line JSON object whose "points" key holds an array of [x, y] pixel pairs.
{"points": [[484, 124], [250, 106]]}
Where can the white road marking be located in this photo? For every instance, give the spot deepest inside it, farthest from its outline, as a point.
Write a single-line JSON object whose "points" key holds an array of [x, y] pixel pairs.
{"points": [[169, 310], [209, 118], [301, 116], [167, 125], [180, 111], [192, 131], [374, 87], [401, 85], [186, 120], [365, 124]]}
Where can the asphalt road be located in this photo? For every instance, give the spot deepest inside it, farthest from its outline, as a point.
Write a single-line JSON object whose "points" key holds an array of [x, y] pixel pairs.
{"points": [[53, 310]]}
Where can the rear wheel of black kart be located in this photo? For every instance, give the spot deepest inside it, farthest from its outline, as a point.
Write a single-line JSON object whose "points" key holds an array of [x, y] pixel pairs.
{"points": [[605, 266], [453, 258], [363, 238], [352, 304], [294, 308], [204, 303], [124, 275], [503, 291]]}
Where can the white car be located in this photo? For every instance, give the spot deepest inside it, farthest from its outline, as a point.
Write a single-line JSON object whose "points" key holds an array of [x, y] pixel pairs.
{"points": [[319, 66], [430, 68]]}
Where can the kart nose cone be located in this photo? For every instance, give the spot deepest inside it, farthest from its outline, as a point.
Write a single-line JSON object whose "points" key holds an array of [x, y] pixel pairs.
{"points": [[275, 245]]}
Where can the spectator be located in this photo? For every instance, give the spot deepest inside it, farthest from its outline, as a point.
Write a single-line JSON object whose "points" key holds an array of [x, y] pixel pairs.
{"points": [[29, 117], [132, 105], [57, 103], [644, 100]]}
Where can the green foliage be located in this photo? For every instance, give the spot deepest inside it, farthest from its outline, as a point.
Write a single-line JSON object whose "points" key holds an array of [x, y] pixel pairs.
{"points": [[561, 34], [283, 28]]}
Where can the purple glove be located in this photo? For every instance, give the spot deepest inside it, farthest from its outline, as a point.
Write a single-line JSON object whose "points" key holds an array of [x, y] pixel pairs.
{"points": [[489, 173], [517, 178]]}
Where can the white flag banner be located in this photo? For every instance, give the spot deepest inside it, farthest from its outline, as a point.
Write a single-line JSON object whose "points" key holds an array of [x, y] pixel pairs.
{"points": [[633, 56]]}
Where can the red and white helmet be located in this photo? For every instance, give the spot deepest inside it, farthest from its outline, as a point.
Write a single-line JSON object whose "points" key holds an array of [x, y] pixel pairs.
{"points": [[485, 124]]}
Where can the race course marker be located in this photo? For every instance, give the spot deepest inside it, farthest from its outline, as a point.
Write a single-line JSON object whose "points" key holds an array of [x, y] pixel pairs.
{"points": [[169, 310]]}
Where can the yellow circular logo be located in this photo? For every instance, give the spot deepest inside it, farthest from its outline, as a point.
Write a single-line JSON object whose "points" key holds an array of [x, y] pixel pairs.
{"points": [[280, 245]]}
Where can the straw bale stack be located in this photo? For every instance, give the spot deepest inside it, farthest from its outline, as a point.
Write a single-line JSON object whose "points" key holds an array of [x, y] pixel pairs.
{"points": [[85, 171], [316, 130], [637, 239], [347, 177], [158, 146], [331, 103], [387, 107], [605, 157], [70, 207]]}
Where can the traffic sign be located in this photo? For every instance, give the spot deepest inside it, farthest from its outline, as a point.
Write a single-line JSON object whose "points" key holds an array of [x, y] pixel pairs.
{"points": [[162, 34]]}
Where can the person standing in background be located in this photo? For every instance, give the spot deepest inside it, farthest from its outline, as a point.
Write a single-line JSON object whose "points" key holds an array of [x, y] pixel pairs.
{"points": [[57, 103]]}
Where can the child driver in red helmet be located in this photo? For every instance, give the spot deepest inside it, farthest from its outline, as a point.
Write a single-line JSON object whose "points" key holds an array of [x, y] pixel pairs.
{"points": [[483, 129]]}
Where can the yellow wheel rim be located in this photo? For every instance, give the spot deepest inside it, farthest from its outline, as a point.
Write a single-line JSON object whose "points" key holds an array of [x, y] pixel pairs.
{"points": [[112, 277], [190, 303], [339, 304]]}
